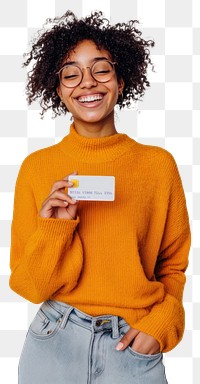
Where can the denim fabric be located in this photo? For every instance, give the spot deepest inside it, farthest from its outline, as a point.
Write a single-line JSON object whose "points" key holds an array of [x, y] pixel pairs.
{"points": [[67, 346]]}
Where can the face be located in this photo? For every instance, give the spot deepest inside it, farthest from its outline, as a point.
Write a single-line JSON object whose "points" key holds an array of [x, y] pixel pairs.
{"points": [[90, 101]]}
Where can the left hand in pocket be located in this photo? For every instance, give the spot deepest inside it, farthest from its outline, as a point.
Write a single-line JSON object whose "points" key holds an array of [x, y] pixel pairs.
{"points": [[141, 342]]}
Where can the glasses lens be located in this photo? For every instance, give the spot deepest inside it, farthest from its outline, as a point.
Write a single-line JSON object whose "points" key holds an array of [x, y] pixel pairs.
{"points": [[70, 76], [102, 71]]}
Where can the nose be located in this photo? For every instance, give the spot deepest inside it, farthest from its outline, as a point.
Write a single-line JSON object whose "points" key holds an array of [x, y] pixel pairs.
{"points": [[87, 80]]}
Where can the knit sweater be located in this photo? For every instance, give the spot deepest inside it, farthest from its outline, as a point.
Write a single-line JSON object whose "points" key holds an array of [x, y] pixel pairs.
{"points": [[126, 257]]}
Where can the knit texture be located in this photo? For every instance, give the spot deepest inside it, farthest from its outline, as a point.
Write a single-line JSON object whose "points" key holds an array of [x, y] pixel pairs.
{"points": [[126, 257]]}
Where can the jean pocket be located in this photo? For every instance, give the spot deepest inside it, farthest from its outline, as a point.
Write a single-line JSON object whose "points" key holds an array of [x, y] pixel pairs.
{"points": [[143, 355], [46, 323]]}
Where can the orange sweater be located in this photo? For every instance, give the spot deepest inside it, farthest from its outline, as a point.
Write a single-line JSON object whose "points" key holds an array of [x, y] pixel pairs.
{"points": [[126, 257]]}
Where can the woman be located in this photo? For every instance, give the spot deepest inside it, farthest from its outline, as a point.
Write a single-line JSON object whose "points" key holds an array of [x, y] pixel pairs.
{"points": [[110, 274]]}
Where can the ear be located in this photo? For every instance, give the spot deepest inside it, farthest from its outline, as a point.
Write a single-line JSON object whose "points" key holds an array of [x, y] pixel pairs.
{"points": [[58, 90], [120, 86]]}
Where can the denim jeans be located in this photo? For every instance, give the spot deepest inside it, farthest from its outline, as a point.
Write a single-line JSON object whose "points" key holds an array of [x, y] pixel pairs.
{"points": [[67, 346]]}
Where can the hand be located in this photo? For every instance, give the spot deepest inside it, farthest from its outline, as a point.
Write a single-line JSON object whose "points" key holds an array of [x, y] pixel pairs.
{"points": [[58, 204], [142, 342]]}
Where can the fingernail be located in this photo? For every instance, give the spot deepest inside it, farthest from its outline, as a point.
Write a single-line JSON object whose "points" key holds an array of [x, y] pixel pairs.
{"points": [[74, 200], [69, 182], [119, 346], [65, 202]]}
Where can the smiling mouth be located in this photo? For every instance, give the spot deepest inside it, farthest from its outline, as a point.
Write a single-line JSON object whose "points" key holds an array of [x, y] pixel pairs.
{"points": [[90, 98]]}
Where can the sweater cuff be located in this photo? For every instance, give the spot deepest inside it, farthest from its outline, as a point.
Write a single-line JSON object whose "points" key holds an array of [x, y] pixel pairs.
{"points": [[56, 227], [165, 323]]}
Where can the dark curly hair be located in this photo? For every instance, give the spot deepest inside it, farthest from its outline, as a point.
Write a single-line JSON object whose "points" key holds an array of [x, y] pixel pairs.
{"points": [[61, 35]]}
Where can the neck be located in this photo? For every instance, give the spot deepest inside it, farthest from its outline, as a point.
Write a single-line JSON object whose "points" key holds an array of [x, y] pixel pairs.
{"points": [[95, 129], [95, 149]]}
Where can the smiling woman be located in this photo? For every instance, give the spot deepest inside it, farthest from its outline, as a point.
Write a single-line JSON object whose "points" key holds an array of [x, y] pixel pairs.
{"points": [[108, 272], [90, 89], [123, 43]]}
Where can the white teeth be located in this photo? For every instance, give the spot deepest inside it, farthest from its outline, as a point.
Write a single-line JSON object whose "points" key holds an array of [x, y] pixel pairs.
{"points": [[87, 99]]}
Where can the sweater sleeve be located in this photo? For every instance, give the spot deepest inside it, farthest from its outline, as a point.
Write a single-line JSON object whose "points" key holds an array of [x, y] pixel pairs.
{"points": [[165, 322], [46, 254]]}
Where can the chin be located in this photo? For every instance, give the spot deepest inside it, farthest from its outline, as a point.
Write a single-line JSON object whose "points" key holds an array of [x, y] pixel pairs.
{"points": [[91, 119]]}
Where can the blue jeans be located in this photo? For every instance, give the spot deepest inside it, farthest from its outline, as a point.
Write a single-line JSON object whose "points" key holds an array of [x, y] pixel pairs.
{"points": [[67, 346]]}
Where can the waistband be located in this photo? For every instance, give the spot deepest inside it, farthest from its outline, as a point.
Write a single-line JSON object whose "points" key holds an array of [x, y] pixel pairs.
{"points": [[95, 324]]}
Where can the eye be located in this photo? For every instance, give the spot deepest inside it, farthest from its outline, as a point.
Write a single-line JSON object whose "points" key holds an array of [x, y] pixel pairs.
{"points": [[69, 76], [102, 71], [102, 68], [70, 72]]}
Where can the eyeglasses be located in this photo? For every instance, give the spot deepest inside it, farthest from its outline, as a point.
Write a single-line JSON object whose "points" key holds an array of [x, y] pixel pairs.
{"points": [[71, 75]]}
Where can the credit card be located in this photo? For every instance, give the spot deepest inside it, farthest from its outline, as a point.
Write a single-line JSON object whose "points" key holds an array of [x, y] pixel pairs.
{"points": [[99, 188]]}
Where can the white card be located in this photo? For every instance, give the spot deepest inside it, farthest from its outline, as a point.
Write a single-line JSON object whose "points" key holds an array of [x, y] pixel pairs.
{"points": [[100, 188]]}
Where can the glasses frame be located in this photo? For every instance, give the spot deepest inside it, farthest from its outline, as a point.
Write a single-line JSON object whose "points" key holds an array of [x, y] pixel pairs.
{"points": [[81, 71]]}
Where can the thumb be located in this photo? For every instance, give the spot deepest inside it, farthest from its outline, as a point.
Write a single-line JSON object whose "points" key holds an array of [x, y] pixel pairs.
{"points": [[73, 173], [126, 339]]}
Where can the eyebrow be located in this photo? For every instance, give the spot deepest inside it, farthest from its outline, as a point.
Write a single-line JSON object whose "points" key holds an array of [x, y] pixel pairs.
{"points": [[95, 59]]}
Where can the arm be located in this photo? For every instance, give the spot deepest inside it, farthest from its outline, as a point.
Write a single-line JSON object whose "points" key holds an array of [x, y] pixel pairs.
{"points": [[46, 253], [165, 322]]}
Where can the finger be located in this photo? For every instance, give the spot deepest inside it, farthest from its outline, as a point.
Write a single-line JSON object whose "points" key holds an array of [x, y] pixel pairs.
{"points": [[60, 184], [71, 216], [71, 184], [126, 339], [46, 211], [54, 202], [56, 194], [62, 196], [64, 183]]}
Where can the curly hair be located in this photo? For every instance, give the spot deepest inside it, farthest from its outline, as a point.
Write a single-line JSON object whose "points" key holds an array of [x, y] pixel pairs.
{"points": [[61, 35]]}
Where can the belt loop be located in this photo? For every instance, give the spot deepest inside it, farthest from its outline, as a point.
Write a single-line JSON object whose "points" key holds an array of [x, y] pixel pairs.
{"points": [[115, 327], [66, 317]]}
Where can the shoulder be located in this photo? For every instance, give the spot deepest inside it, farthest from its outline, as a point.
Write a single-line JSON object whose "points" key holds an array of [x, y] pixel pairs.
{"points": [[153, 162], [37, 160], [154, 151], [153, 154]]}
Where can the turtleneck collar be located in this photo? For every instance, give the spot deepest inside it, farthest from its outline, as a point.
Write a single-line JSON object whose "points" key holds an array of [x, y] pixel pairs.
{"points": [[96, 150]]}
